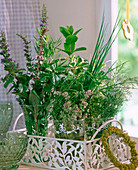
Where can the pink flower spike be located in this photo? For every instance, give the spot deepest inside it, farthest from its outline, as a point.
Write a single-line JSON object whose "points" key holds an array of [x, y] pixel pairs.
{"points": [[65, 94], [89, 92], [58, 93]]}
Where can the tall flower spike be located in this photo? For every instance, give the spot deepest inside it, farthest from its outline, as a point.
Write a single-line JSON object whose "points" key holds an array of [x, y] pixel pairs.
{"points": [[27, 51], [4, 46], [44, 21], [43, 27]]}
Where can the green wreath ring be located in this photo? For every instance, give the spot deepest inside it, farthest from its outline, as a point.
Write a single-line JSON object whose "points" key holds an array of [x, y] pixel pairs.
{"points": [[134, 155]]}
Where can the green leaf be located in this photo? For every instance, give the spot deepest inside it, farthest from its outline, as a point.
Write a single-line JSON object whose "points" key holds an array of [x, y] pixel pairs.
{"points": [[64, 31], [80, 49], [67, 52], [69, 48], [72, 64], [48, 69], [10, 89], [6, 77], [66, 47], [22, 69], [77, 31], [83, 64], [43, 78], [34, 99], [60, 69], [39, 32], [72, 47], [71, 39], [20, 88], [70, 29], [23, 95], [11, 78], [79, 60], [36, 39], [47, 88], [25, 87], [62, 63]]}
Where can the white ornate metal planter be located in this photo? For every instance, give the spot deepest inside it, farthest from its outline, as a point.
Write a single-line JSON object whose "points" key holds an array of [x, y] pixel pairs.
{"points": [[54, 153]]}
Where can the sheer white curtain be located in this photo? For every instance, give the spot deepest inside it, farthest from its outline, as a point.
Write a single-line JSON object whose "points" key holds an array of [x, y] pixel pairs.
{"points": [[17, 16]]}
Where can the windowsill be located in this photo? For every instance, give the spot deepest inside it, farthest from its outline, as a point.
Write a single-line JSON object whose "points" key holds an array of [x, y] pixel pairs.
{"points": [[25, 167], [131, 130]]}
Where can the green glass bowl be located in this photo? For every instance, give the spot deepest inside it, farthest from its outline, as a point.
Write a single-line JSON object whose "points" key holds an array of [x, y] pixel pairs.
{"points": [[12, 149], [6, 114]]}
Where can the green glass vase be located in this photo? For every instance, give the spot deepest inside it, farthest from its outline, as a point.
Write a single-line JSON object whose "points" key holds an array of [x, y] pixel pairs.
{"points": [[12, 150], [36, 119]]}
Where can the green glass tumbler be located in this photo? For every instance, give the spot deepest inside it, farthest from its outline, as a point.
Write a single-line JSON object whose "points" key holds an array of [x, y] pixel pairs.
{"points": [[6, 114]]}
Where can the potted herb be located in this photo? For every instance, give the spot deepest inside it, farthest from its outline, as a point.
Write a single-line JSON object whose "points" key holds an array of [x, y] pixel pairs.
{"points": [[90, 94], [75, 88], [77, 94]]}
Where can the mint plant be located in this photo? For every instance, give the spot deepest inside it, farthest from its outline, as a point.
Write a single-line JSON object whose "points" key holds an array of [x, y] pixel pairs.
{"points": [[71, 39]]}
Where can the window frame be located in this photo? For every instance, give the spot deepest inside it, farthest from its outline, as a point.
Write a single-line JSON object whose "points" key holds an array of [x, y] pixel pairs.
{"points": [[114, 14], [110, 10]]}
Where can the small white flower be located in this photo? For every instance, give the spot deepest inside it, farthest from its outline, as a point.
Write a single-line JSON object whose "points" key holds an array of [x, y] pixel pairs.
{"points": [[41, 62], [31, 82]]}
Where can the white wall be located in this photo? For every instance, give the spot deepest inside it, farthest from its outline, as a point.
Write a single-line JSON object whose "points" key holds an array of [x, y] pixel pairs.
{"points": [[79, 13], [84, 14]]}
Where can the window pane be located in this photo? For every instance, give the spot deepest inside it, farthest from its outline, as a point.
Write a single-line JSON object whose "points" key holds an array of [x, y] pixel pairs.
{"points": [[128, 51]]}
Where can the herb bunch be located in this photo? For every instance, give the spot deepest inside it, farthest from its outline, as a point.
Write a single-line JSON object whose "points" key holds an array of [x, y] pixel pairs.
{"points": [[92, 91], [75, 88], [32, 85]]}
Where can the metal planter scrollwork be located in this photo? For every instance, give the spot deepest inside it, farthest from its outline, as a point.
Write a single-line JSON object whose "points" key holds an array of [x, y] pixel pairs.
{"points": [[67, 154]]}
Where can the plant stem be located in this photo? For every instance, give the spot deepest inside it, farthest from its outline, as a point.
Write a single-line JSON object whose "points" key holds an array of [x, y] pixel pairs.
{"points": [[36, 126]]}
